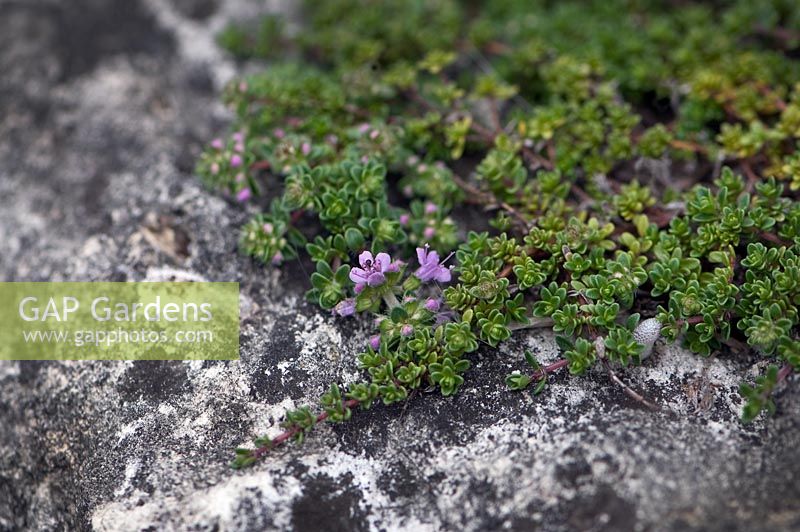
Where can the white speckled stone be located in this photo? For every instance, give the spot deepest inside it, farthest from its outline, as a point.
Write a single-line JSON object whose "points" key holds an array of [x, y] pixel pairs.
{"points": [[86, 153]]}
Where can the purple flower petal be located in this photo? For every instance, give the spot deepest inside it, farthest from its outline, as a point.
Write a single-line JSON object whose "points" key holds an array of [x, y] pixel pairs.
{"points": [[422, 254], [364, 257], [375, 342], [375, 279], [383, 259], [357, 275], [394, 266], [346, 307], [443, 275]]}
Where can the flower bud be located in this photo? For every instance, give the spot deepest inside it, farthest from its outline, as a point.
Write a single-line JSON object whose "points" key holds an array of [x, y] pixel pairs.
{"points": [[244, 195], [375, 342], [433, 305]]}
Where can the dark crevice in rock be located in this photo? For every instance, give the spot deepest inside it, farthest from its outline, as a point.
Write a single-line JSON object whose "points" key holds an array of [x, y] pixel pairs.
{"points": [[329, 504]]}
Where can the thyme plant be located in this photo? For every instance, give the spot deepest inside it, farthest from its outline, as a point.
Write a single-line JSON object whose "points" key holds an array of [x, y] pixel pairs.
{"points": [[637, 163]]}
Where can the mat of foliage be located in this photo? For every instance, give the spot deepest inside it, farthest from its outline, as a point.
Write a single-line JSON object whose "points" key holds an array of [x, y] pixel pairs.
{"points": [[637, 163]]}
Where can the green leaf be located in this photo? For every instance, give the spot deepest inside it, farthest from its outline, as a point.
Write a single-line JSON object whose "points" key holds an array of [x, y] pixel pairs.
{"points": [[517, 381]]}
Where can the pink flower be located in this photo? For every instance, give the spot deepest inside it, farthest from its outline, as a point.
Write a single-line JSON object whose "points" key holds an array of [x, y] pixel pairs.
{"points": [[268, 228], [279, 133], [430, 208], [217, 144], [244, 195], [430, 268], [345, 307], [375, 342], [236, 161], [429, 233], [277, 258], [238, 136], [394, 266], [371, 271], [239, 178], [433, 305], [214, 168], [363, 128], [404, 218], [374, 134], [239, 147], [407, 330], [306, 148]]}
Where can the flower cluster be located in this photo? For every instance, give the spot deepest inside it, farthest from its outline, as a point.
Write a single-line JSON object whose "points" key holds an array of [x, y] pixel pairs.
{"points": [[223, 166]]}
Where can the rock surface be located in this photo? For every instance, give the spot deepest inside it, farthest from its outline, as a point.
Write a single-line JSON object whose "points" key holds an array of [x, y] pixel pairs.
{"points": [[103, 108]]}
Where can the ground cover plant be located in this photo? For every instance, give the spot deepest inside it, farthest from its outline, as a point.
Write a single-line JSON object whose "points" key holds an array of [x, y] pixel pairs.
{"points": [[634, 164]]}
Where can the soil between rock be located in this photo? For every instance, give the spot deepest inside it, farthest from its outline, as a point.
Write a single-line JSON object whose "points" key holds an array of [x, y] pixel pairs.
{"points": [[104, 107]]}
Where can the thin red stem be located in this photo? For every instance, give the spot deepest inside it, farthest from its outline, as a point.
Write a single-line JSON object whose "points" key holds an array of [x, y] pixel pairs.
{"points": [[549, 369], [691, 321], [260, 165], [291, 433], [775, 239], [688, 146], [785, 371]]}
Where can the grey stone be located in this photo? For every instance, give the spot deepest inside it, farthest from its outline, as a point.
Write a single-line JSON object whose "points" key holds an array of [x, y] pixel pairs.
{"points": [[104, 107]]}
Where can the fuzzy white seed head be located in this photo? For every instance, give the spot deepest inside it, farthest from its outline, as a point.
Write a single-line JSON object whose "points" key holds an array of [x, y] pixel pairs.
{"points": [[600, 347], [646, 334]]}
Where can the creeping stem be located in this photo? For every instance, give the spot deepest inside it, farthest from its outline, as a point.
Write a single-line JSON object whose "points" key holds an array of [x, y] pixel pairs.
{"points": [[291, 433]]}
